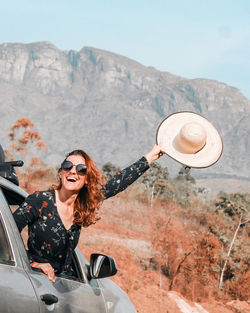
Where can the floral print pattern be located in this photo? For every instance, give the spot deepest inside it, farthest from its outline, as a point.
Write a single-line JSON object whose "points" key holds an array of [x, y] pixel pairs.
{"points": [[49, 241], [125, 178]]}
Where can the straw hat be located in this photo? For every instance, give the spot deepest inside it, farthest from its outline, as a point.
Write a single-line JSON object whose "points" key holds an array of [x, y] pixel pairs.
{"points": [[190, 139]]}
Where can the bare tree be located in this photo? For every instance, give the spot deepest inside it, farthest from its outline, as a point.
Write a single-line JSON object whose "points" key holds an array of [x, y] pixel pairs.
{"points": [[241, 222], [178, 270]]}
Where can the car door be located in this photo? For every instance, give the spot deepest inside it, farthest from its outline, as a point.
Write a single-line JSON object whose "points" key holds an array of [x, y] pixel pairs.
{"points": [[77, 296], [17, 294]]}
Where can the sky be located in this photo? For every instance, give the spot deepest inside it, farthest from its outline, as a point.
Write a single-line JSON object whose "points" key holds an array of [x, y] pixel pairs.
{"points": [[190, 38]]}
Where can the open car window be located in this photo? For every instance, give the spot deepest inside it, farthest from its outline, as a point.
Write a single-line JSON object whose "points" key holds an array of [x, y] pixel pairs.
{"points": [[6, 255], [76, 273]]}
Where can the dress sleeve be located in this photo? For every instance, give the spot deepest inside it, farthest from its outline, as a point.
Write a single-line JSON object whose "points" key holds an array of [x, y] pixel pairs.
{"points": [[125, 178], [27, 212]]}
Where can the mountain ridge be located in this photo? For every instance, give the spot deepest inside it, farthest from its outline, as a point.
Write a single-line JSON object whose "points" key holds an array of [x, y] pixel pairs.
{"points": [[111, 105]]}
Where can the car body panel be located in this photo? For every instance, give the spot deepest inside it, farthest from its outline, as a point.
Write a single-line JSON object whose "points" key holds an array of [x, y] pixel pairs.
{"points": [[72, 296], [116, 299], [17, 293]]}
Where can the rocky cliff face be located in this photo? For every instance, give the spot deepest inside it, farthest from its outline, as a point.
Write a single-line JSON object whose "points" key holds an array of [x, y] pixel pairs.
{"points": [[111, 106]]}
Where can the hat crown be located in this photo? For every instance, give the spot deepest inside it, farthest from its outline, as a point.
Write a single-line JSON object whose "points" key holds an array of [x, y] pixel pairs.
{"points": [[191, 138]]}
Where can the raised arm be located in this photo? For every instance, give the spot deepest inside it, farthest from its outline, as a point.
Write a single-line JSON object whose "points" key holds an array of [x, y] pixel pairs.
{"points": [[130, 174]]}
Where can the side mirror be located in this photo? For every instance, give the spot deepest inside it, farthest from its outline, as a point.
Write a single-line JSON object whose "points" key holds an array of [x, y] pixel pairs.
{"points": [[101, 266]]}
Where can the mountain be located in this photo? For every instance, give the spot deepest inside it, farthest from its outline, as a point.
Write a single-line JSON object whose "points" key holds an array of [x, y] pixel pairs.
{"points": [[111, 106]]}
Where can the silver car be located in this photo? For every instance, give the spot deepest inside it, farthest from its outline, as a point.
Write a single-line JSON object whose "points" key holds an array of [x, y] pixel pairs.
{"points": [[25, 289]]}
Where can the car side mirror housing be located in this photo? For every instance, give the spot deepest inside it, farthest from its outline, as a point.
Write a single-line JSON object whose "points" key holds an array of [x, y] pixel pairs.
{"points": [[101, 266]]}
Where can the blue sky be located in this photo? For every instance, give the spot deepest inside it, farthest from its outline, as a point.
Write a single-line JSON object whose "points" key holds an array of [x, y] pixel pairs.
{"points": [[191, 38]]}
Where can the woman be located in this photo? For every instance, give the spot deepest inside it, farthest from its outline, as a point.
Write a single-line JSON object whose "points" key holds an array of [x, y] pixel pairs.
{"points": [[55, 217]]}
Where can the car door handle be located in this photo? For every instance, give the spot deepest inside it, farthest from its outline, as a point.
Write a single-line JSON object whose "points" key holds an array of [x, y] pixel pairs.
{"points": [[49, 298]]}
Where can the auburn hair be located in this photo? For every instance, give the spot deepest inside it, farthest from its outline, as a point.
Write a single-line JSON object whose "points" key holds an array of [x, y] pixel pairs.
{"points": [[91, 195]]}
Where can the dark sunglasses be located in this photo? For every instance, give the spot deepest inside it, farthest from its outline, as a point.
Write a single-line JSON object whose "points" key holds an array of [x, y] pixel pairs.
{"points": [[68, 165]]}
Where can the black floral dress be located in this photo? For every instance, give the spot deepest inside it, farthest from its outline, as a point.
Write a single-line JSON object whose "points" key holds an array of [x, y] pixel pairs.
{"points": [[48, 240]]}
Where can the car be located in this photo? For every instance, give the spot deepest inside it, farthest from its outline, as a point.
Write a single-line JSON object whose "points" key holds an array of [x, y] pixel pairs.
{"points": [[26, 289]]}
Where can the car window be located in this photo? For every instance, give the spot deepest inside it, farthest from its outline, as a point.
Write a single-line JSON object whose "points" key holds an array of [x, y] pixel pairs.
{"points": [[6, 255], [76, 273]]}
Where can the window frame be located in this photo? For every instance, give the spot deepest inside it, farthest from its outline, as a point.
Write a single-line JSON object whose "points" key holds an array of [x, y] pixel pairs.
{"points": [[77, 268], [11, 231], [11, 259]]}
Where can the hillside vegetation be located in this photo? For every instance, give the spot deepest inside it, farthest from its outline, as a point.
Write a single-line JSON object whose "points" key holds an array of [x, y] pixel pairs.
{"points": [[175, 242], [164, 237]]}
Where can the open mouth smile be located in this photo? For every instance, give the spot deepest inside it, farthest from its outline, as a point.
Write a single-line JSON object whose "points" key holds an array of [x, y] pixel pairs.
{"points": [[71, 179]]}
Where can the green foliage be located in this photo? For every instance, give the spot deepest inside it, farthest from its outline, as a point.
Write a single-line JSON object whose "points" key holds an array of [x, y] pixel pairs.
{"points": [[184, 193], [156, 182], [183, 185], [184, 175], [234, 204], [231, 225]]}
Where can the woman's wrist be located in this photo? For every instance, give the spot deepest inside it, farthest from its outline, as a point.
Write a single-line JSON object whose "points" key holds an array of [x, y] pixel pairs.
{"points": [[154, 154], [149, 158]]}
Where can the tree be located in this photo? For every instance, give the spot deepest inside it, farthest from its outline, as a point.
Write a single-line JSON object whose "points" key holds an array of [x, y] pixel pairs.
{"points": [[237, 206], [172, 246], [233, 204], [25, 141], [156, 182], [240, 223], [183, 184], [184, 174]]}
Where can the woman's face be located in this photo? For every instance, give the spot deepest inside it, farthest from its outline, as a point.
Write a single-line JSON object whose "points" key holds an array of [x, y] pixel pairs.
{"points": [[71, 179]]}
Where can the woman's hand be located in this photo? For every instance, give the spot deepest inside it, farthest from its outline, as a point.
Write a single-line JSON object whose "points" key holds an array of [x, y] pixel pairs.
{"points": [[154, 154], [46, 268]]}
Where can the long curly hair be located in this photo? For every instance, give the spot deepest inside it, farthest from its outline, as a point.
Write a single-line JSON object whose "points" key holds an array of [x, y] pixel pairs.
{"points": [[91, 195]]}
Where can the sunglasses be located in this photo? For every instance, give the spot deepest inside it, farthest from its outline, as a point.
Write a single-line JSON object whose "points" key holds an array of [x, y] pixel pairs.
{"points": [[80, 168]]}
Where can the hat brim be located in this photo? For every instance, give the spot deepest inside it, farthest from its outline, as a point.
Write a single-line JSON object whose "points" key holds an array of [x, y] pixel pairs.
{"points": [[169, 129]]}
